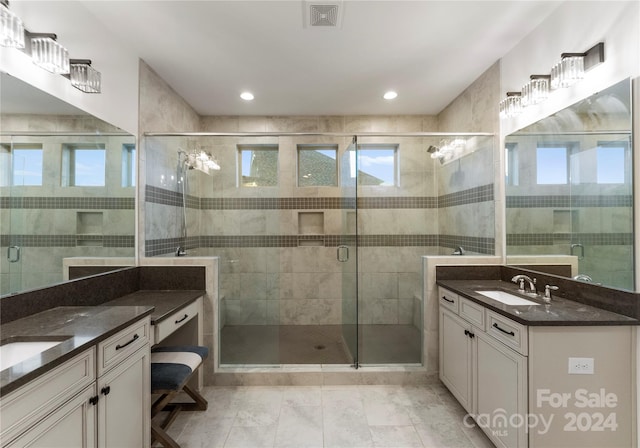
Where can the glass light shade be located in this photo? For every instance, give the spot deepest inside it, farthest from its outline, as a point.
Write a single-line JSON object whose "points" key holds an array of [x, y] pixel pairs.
{"points": [[11, 29], [554, 82], [85, 78], [571, 70], [50, 55], [510, 106]]}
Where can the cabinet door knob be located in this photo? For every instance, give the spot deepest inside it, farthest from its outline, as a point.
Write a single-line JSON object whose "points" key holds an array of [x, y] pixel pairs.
{"points": [[94, 400], [106, 390]]}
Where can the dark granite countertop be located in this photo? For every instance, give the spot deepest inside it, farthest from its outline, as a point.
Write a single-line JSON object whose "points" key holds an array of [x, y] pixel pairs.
{"points": [[79, 327], [165, 302], [561, 311]]}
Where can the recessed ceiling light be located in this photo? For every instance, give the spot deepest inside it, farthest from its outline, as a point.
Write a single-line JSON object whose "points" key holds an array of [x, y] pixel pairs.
{"points": [[247, 96], [390, 95]]}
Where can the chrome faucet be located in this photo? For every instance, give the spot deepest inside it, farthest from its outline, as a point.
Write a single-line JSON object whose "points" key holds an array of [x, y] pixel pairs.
{"points": [[547, 292], [180, 251], [520, 279], [583, 277]]}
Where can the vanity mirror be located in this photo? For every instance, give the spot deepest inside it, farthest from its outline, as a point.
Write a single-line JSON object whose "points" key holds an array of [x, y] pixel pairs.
{"points": [[569, 187], [67, 184]]}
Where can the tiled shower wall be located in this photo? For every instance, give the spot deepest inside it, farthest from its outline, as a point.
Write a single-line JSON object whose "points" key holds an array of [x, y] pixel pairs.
{"points": [[52, 222], [268, 273]]}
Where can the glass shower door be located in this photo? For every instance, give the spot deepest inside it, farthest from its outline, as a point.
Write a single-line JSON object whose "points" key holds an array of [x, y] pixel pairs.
{"points": [[13, 219], [346, 252]]}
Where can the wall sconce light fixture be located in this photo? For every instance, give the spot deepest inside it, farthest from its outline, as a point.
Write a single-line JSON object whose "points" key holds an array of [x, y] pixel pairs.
{"points": [[11, 27], [535, 91], [48, 54], [511, 105], [571, 68], [84, 77]]}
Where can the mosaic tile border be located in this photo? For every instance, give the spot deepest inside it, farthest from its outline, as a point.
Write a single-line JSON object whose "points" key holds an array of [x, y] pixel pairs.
{"points": [[163, 196], [67, 240], [482, 245], [549, 239], [45, 202], [483, 193], [473, 244], [569, 201], [473, 195]]}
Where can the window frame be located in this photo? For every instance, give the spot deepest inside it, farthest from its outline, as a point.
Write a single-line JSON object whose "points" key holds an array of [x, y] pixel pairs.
{"points": [[395, 147], [129, 164], [300, 148], [254, 148], [9, 163], [68, 171]]}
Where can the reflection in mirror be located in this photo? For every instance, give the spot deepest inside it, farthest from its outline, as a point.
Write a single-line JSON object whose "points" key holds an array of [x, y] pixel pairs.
{"points": [[67, 184], [569, 188]]}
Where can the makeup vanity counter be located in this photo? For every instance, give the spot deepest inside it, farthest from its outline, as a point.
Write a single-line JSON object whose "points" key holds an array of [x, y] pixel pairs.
{"points": [[173, 309], [88, 380]]}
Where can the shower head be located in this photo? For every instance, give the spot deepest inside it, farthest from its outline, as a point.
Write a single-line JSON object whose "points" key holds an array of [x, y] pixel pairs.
{"points": [[436, 153], [199, 160], [432, 149]]}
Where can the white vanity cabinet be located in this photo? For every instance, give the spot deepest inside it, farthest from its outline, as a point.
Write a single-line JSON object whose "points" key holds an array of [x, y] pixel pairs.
{"points": [[520, 384], [124, 390], [53, 410], [71, 425], [89, 401], [484, 372]]}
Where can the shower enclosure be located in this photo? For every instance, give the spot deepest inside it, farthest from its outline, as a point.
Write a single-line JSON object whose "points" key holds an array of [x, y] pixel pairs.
{"points": [[319, 236]]}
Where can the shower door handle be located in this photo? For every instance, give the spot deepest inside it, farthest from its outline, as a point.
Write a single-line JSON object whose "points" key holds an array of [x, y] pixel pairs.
{"points": [[342, 254], [17, 254]]}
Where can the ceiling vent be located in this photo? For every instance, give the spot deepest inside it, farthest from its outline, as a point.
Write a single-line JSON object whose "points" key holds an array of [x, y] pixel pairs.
{"points": [[323, 14]]}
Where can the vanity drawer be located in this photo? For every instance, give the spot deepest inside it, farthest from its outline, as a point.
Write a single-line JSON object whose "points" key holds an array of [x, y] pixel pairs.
{"points": [[448, 299], [472, 312], [167, 326], [504, 329], [25, 406], [122, 344]]}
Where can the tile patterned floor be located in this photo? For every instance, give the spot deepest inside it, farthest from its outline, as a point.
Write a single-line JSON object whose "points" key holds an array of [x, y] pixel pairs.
{"points": [[328, 416]]}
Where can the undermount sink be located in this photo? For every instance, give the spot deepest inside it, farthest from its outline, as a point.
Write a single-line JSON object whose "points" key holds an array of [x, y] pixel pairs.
{"points": [[506, 298], [15, 352]]}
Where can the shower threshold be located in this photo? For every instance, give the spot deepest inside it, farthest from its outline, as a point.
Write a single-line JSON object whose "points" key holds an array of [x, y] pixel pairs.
{"points": [[312, 346]]}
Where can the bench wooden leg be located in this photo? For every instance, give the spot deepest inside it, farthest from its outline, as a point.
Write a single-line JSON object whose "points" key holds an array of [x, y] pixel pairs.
{"points": [[159, 434]]}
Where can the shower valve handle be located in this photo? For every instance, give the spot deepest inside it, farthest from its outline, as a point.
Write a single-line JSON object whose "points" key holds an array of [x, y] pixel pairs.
{"points": [[339, 254]]}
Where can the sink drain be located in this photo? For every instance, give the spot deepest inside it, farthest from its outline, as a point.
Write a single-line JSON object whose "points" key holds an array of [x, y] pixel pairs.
{"points": [[319, 347]]}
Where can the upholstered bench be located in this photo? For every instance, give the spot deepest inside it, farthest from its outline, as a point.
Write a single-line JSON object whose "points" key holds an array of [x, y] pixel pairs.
{"points": [[171, 369]]}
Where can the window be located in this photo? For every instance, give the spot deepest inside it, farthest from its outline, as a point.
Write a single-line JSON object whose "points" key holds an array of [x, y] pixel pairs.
{"points": [[552, 165], [511, 164], [377, 165], [22, 165], [317, 165], [128, 165], [258, 165], [83, 165], [611, 166]]}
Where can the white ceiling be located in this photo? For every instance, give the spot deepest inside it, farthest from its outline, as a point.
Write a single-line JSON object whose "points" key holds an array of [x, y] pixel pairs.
{"points": [[428, 51]]}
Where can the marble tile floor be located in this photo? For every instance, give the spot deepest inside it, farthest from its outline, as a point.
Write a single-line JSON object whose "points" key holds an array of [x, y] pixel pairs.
{"points": [[328, 416], [318, 344]]}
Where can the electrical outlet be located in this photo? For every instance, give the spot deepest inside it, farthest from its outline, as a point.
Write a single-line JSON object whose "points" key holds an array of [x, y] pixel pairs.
{"points": [[581, 366]]}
